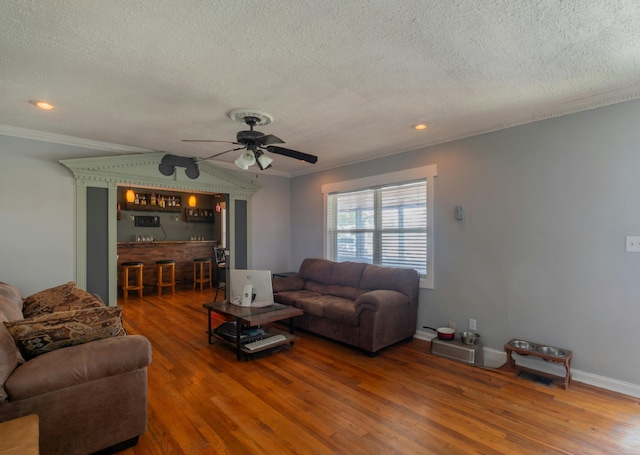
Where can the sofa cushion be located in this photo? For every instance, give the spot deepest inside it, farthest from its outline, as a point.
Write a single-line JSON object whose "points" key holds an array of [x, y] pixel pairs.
{"points": [[316, 270], [9, 309], [65, 297], [330, 307], [312, 304], [395, 279], [346, 273], [291, 297], [381, 300], [346, 292], [290, 283], [42, 334], [11, 293], [8, 358]]}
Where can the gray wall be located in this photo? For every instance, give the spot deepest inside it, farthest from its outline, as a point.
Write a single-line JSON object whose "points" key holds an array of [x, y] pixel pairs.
{"points": [[37, 214], [271, 221], [540, 254]]}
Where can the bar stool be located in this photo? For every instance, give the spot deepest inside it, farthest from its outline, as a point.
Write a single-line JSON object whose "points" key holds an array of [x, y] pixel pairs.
{"points": [[200, 274], [171, 264], [221, 271], [137, 286]]}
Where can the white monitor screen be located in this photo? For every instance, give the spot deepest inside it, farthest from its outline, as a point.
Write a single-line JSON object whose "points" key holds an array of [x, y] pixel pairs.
{"points": [[260, 280]]}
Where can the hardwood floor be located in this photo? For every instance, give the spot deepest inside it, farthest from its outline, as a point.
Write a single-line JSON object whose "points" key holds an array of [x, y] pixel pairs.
{"points": [[322, 397]]}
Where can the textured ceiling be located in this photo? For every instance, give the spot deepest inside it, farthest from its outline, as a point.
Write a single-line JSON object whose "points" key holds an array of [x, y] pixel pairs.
{"points": [[344, 80]]}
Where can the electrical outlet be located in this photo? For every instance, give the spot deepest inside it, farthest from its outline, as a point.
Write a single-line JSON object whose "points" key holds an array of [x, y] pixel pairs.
{"points": [[472, 324], [452, 325], [633, 244]]}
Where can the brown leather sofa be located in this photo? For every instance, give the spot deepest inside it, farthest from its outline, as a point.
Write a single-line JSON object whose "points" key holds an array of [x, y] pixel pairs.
{"points": [[363, 305], [88, 397]]}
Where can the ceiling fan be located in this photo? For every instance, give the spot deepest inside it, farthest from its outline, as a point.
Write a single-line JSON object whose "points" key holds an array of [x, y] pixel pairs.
{"points": [[256, 143]]}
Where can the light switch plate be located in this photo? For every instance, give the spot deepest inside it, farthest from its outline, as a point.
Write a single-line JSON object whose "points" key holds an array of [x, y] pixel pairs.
{"points": [[633, 244]]}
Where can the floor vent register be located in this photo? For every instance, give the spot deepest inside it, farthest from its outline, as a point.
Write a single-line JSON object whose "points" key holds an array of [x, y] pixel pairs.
{"points": [[535, 378]]}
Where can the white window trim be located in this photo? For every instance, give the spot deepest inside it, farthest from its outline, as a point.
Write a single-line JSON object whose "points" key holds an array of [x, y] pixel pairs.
{"points": [[427, 172]]}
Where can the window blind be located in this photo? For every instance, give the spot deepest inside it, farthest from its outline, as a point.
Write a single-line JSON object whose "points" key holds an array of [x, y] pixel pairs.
{"points": [[385, 225]]}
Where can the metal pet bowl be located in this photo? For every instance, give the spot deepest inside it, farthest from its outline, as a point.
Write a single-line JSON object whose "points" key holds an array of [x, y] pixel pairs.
{"points": [[521, 344], [550, 350], [470, 338]]}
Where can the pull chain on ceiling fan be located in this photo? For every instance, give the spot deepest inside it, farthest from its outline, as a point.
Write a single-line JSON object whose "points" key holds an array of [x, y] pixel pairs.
{"points": [[256, 143]]}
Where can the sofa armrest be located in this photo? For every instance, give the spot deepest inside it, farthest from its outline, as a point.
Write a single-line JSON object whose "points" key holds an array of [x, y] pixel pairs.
{"points": [[290, 283], [380, 300], [77, 364]]}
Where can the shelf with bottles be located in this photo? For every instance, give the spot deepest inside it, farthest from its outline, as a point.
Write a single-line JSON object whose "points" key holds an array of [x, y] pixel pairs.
{"points": [[155, 202], [200, 215]]}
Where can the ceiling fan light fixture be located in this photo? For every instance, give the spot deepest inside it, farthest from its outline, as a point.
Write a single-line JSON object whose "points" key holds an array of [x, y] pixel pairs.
{"points": [[255, 142], [245, 160], [264, 162]]}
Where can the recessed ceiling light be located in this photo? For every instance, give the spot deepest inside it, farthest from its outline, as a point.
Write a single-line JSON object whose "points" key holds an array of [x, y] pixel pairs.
{"points": [[419, 126], [42, 105]]}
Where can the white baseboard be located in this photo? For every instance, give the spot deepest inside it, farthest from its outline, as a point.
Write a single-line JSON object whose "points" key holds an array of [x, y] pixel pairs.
{"points": [[495, 359]]}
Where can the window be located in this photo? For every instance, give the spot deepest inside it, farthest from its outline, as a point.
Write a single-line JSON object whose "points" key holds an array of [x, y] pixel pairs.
{"points": [[385, 220]]}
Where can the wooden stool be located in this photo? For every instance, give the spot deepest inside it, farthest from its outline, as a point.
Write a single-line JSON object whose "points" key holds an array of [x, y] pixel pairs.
{"points": [[126, 286], [199, 272], [172, 275]]}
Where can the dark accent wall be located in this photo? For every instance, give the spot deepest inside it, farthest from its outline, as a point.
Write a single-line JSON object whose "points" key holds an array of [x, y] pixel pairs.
{"points": [[98, 242], [241, 236]]}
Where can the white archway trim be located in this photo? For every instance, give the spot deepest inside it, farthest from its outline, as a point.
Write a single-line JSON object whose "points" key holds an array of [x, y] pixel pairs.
{"points": [[140, 170]]}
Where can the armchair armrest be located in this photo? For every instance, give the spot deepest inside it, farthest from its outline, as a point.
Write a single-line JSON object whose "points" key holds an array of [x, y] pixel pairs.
{"points": [[290, 283], [74, 365], [380, 300]]}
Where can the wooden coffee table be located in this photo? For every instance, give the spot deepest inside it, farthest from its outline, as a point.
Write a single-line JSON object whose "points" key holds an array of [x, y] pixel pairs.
{"points": [[252, 317]]}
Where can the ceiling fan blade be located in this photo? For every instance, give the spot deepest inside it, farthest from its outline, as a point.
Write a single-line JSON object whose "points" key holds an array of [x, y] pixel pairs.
{"points": [[208, 140], [269, 139], [293, 154], [221, 153]]}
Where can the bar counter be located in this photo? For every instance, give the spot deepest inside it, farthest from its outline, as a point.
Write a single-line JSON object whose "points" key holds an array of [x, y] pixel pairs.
{"points": [[181, 251]]}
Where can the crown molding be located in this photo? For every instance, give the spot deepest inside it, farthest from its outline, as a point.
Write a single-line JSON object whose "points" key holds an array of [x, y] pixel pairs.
{"points": [[24, 133], [628, 94]]}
